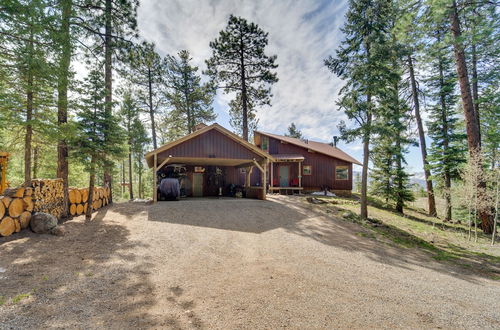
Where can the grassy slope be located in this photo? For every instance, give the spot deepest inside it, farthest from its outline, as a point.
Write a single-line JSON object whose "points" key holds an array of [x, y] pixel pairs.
{"points": [[445, 242]]}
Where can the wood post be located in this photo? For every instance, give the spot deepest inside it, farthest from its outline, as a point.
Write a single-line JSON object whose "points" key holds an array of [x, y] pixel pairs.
{"points": [[272, 178], [155, 194], [264, 179], [300, 174]]}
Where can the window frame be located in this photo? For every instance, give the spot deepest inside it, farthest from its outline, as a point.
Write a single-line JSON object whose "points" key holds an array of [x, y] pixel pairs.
{"points": [[346, 167], [304, 169]]}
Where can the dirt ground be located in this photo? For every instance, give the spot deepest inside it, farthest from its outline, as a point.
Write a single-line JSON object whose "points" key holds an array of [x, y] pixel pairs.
{"points": [[231, 263]]}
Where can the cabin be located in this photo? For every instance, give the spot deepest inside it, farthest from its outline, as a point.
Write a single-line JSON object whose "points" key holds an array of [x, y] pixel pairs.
{"points": [[211, 161], [305, 165]]}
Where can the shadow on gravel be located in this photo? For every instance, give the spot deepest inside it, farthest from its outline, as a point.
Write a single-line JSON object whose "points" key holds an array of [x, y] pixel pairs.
{"points": [[245, 215], [89, 278], [398, 248]]}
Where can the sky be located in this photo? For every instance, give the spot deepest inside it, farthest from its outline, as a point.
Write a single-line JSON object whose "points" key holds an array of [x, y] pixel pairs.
{"points": [[301, 33]]}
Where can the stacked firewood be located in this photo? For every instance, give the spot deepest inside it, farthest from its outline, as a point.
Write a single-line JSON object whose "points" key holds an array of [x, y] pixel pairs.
{"points": [[78, 199], [48, 196], [16, 206]]}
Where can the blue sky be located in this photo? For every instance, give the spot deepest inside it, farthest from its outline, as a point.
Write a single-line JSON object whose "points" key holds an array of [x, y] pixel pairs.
{"points": [[301, 33]]}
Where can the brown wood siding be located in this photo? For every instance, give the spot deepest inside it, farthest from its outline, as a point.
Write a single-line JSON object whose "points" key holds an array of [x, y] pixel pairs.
{"points": [[323, 167], [211, 144]]}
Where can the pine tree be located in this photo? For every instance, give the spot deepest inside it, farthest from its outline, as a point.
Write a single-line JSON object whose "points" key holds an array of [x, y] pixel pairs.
{"points": [[294, 132], [111, 24], [147, 73], [239, 65], [446, 152], [359, 61], [26, 44], [409, 32], [190, 100], [392, 139], [139, 142], [98, 136], [130, 113]]}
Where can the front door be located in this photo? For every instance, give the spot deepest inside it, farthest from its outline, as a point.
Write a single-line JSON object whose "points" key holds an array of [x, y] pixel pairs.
{"points": [[197, 184], [284, 176]]}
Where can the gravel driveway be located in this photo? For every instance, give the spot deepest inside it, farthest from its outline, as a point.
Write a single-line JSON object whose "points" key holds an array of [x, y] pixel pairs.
{"points": [[227, 264]]}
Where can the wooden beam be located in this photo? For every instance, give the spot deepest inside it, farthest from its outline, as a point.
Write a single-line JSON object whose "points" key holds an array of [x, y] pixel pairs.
{"points": [[258, 166], [164, 162], [155, 194]]}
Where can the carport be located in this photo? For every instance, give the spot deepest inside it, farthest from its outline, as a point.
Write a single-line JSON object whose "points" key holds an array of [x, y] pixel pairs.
{"points": [[214, 147]]}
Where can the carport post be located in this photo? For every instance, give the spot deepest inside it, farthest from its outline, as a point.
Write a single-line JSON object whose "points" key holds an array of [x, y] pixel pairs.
{"points": [[155, 194], [264, 179]]}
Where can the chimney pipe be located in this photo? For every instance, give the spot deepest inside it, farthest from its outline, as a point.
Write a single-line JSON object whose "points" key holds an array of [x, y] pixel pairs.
{"points": [[335, 139]]}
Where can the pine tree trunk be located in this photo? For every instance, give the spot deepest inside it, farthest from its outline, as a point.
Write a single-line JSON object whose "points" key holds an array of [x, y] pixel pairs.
{"points": [[431, 201], [108, 81], [446, 141], [88, 214], [151, 109], [364, 176], [29, 128], [244, 100], [141, 194], [36, 161], [447, 196], [123, 178], [471, 119], [475, 88], [62, 99], [130, 189]]}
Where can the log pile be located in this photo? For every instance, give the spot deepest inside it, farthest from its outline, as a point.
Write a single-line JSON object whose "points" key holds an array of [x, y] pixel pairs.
{"points": [[16, 206], [47, 196], [78, 199]]}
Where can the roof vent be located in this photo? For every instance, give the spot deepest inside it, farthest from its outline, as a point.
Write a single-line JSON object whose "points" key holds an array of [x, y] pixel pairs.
{"points": [[306, 141]]}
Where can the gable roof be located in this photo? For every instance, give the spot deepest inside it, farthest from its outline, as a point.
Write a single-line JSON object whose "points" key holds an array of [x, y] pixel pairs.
{"points": [[320, 147], [149, 156]]}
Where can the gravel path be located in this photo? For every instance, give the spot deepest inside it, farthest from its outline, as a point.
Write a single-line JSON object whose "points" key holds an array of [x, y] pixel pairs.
{"points": [[230, 263]]}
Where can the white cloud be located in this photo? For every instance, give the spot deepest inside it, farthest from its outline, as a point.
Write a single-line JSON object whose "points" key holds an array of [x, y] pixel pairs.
{"points": [[302, 34]]}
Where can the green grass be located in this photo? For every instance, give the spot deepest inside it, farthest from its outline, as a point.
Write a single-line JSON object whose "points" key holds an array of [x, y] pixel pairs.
{"points": [[3, 300], [20, 297], [445, 242]]}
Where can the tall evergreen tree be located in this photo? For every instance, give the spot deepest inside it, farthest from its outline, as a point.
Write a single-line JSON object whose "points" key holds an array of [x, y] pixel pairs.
{"points": [[130, 114], [63, 37], [26, 42], [294, 132], [412, 39], [147, 72], [191, 101], [139, 142], [98, 136], [239, 65], [359, 64], [392, 139], [112, 24], [446, 152]]}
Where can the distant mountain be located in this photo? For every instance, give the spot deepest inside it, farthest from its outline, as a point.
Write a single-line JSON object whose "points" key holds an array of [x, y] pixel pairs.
{"points": [[416, 178]]}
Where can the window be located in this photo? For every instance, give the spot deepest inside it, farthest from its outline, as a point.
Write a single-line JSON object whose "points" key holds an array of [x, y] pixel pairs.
{"points": [[265, 143], [307, 170], [342, 173]]}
